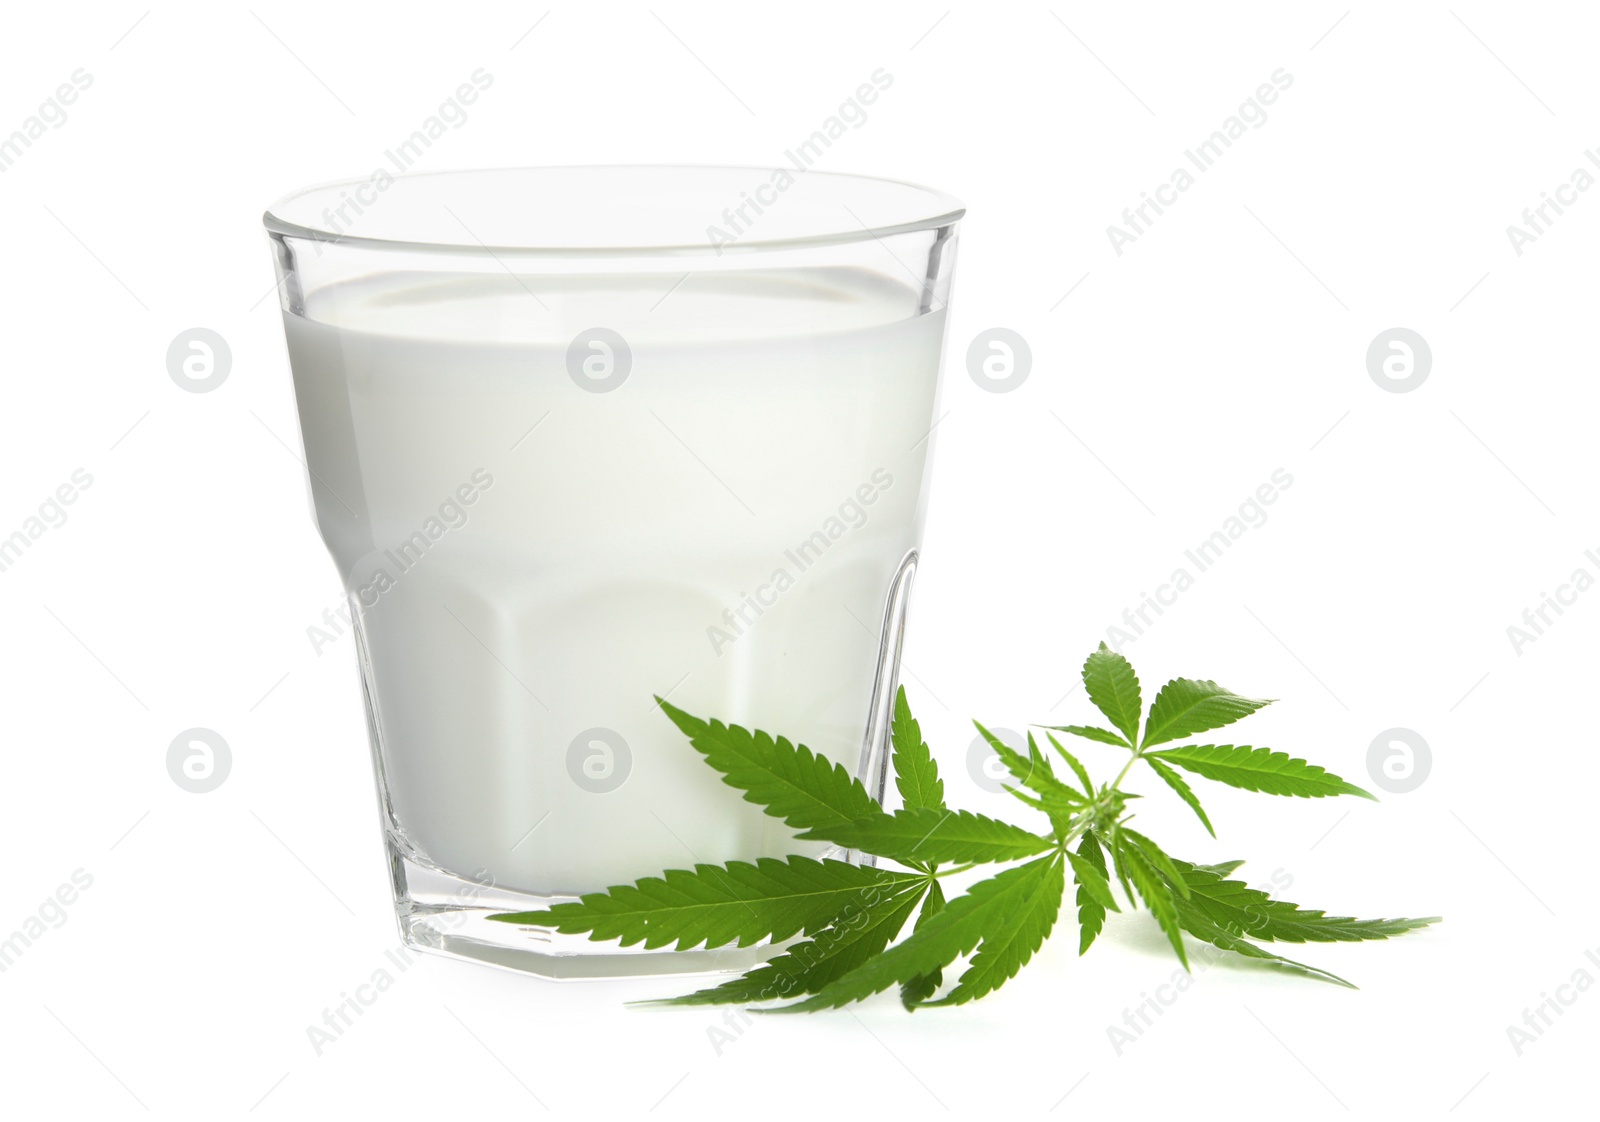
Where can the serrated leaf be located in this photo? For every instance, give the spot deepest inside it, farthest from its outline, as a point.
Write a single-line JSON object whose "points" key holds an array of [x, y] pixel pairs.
{"points": [[1153, 890], [1036, 758], [1185, 792], [788, 781], [716, 905], [917, 990], [915, 773], [1029, 772], [1092, 880], [1060, 815], [1200, 926], [1030, 800], [1056, 799], [1114, 688], [1251, 912], [934, 835], [1158, 858], [1186, 706], [1089, 732], [1019, 766], [1121, 869], [1009, 944], [1091, 913], [962, 925], [1258, 769], [1059, 810], [850, 938], [1222, 868], [1077, 767], [1059, 807]]}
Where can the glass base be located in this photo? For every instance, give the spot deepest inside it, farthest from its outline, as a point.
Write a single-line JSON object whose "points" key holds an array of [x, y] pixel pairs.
{"points": [[449, 915]]}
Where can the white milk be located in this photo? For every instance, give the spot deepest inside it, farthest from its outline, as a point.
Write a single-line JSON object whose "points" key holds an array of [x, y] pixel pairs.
{"points": [[533, 560]]}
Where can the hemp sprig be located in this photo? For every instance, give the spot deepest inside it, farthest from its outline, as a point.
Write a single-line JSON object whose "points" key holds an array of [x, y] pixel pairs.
{"points": [[847, 913]]}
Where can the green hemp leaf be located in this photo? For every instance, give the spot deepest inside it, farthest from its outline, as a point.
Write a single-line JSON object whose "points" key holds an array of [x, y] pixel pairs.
{"points": [[833, 923]]}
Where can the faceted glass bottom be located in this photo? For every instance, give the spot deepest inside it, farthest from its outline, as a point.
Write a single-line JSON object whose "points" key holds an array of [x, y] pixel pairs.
{"points": [[449, 915]]}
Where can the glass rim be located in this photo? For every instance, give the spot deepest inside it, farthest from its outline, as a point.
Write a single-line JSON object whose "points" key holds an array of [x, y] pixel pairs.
{"points": [[921, 208]]}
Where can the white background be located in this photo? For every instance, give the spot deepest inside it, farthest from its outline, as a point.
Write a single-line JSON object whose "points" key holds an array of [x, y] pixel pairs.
{"points": [[1225, 343]]}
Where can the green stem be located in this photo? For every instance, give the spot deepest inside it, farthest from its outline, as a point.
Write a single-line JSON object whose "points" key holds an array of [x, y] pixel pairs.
{"points": [[1121, 775], [1083, 823]]}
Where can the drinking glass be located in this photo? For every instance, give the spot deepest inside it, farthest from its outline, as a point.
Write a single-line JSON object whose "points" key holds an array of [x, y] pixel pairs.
{"points": [[578, 438]]}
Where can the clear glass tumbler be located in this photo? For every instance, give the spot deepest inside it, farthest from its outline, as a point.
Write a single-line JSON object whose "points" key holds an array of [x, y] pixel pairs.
{"points": [[578, 437]]}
